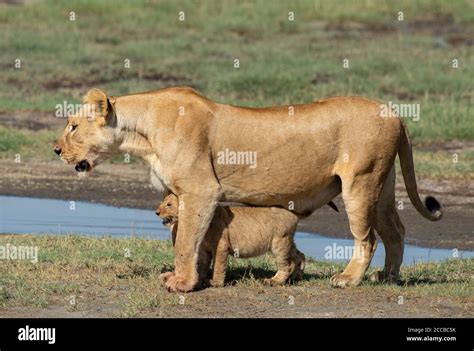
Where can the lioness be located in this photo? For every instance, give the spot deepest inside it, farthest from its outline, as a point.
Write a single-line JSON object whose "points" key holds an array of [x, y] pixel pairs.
{"points": [[243, 232], [297, 157]]}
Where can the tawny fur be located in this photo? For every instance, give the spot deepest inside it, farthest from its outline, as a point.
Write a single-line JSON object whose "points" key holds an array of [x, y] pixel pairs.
{"points": [[243, 232], [304, 159]]}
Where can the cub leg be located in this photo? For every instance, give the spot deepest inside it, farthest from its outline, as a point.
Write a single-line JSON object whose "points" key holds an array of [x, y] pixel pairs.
{"points": [[203, 267], [282, 249], [299, 258], [220, 263]]}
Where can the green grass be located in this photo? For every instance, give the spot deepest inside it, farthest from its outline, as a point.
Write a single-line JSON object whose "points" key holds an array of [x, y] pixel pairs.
{"points": [[26, 143], [126, 270], [37, 145], [281, 62], [442, 164], [67, 263]]}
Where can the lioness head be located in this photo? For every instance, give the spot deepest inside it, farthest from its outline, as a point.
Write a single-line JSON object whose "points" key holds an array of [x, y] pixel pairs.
{"points": [[168, 210], [88, 137]]}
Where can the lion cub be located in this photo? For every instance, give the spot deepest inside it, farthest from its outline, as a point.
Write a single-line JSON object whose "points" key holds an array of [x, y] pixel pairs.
{"points": [[243, 232]]}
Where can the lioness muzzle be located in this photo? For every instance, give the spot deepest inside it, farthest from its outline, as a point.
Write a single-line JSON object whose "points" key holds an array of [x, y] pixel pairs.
{"points": [[82, 166]]}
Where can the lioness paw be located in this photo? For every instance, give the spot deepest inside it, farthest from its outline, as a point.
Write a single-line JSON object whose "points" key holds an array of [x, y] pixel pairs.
{"points": [[343, 280]]}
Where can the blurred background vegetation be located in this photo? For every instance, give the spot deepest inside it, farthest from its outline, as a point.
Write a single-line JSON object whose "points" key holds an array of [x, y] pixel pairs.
{"points": [[281, 61]]}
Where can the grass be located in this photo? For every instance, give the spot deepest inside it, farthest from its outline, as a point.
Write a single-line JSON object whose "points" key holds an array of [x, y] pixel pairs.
{"points": [[37, 145], [445, 164], [281, 61], [28, 144], [125, 272], [453, 165]]}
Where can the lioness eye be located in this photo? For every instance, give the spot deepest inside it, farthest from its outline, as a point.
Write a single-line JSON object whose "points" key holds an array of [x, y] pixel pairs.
{"points": [[168, 205], [73, 127]]}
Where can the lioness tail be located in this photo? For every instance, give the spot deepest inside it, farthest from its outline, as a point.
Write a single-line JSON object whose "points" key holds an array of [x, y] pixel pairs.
{"points": [[431, 209]]}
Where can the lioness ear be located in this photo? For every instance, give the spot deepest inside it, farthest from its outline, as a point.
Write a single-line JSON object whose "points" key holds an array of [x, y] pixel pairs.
{"points": [[97, 101]]}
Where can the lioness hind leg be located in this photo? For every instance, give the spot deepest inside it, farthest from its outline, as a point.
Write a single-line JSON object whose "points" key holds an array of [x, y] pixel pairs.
{"points": [[360, 197], [391, 230]]}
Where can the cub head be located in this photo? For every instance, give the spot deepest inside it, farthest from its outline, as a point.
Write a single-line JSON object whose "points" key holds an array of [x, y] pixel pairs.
{"points": [[88, 137], [169, 210]]}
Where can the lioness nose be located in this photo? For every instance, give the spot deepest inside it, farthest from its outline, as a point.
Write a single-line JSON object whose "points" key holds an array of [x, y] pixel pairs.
{"points": [[157, 212], [57, 150]]}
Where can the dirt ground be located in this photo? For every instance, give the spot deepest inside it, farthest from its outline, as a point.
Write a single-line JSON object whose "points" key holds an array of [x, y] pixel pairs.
{"points": [[119, 288], [277, 302], [128, 185]]}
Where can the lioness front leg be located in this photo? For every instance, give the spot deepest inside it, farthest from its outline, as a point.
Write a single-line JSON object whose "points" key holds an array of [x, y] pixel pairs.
{"points": [[194, 219]]}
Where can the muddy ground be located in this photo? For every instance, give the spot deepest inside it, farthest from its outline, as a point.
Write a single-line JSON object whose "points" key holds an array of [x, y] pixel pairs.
{"points": [[128, 185]]}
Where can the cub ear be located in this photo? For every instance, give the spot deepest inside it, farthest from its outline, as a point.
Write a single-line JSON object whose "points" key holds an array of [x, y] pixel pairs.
{"points": [[99, 104]]}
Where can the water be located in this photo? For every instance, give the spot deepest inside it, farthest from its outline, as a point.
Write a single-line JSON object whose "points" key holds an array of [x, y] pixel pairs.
{"points": [[22, 215]]}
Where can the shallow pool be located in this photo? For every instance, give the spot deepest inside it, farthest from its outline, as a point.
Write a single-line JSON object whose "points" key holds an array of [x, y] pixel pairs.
{"points": [[23, 215]]}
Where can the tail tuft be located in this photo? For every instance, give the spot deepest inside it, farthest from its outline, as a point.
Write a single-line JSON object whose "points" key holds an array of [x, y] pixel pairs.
{"points": [[432, 204]]}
